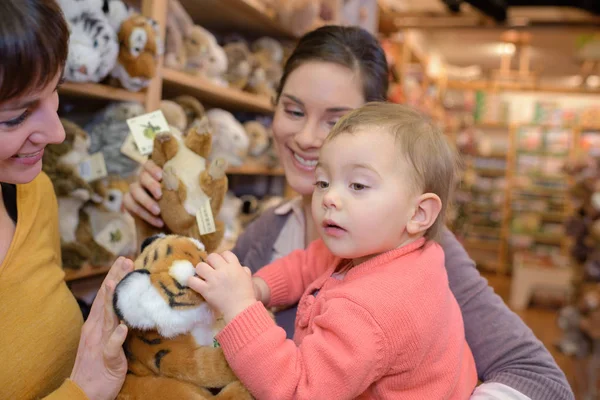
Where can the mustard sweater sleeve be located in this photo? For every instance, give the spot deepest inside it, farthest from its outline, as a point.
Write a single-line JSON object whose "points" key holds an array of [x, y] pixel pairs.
{"points": [[68, 391]]}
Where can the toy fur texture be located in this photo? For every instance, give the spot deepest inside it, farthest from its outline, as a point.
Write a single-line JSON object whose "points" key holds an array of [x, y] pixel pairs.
{"points": [[231, 141], [60, 163], [170, 346], [108, 130], [93, 47], [140, 47], [188, 181]]}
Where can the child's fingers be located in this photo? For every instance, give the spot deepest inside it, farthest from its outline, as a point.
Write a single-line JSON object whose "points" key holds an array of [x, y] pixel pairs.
{"points": [[230, 257], [204, 271], [248, 271], [196, 284], [215, 260]]}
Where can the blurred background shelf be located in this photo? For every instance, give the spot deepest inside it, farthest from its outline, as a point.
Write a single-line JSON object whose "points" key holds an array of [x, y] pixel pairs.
{"points": [[99, 91], [232, 99]]}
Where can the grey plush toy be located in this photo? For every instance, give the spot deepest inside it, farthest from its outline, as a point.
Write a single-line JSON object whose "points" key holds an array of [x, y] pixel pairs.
{"points": [[108, 130]]}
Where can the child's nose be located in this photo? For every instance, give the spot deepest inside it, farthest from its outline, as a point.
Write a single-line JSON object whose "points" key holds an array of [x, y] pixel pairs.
{"points": [[331, 200]]}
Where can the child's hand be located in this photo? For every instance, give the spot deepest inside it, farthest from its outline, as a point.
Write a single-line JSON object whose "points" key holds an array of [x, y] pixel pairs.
{"points": [[225, 284]]}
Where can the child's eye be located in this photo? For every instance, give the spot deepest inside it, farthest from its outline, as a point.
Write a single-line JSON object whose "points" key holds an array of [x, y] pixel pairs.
{"points": [[16, 121], [358, 186], [322, 184]]}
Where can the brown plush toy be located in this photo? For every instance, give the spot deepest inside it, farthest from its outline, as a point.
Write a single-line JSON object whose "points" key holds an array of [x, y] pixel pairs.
{"points": [[139, 48], [171, 350], [189, 185]]}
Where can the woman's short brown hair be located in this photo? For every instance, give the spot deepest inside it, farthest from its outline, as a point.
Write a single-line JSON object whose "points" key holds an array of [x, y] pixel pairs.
{"points": [[34, 41]]}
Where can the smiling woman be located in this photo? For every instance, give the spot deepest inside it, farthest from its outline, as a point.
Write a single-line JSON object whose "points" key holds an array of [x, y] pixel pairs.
{"points": [[67, 361]]}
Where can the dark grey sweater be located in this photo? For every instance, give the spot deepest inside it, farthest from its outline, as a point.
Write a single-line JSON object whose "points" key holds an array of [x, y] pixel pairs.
{"points": [[505, 349]]}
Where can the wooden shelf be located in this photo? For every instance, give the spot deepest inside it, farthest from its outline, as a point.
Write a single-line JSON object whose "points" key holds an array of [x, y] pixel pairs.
{"points": [[86, 271], [98, 91], [229, 98], [248, 16]]}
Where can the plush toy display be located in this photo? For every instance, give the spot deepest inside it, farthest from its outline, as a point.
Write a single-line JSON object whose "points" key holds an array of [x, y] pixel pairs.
{"points": [[267, 57], [261, 149], [93, 44], [239, 64], [140, 47], [179, 26], [108, 130], [194, 110], [174, 114], [230, 139], [105, 229], [205, 56], [60, 163], [191, 185], [171, 350]]}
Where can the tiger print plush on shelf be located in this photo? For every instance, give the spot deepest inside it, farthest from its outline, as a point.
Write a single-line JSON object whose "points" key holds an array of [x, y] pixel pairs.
{"points": [[93, 44]]}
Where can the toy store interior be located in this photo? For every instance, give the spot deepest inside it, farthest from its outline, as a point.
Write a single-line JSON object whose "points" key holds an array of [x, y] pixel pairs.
{"points": [[515, 86]]}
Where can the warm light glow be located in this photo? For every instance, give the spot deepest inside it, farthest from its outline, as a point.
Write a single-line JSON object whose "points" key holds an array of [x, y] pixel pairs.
{"points": [[593, 81], [506, 49]]}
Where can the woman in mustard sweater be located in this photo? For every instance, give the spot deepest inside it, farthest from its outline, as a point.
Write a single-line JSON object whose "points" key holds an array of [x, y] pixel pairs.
{"points": [[47, 350]]}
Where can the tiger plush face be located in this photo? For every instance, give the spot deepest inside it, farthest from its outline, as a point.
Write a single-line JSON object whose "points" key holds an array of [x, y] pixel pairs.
{"points": [[93, 48], [154, 296]]}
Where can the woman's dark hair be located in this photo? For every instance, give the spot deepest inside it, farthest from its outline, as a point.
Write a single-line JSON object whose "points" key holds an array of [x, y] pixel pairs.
{"points": [[351, 47], [34, 40]]}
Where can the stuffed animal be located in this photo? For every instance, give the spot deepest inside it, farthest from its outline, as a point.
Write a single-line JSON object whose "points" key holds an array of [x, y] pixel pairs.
{"points": [[93, 44], [140, 47], [239, 64], [261, 147], [204, 56], [60, 163], [194, 110], [267, 54], [230, 211], [190, 185], [230, 139], [108, 130], [171, 350], [174, 114], [179, 26]]}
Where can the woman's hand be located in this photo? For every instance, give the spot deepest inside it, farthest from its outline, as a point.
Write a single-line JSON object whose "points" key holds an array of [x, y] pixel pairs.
{"points": [[100, 364], [139, 202], [225, 284]]}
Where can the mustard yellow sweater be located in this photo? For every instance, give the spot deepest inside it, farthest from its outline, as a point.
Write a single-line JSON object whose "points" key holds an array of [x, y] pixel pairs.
{"points": [[40, 319]]}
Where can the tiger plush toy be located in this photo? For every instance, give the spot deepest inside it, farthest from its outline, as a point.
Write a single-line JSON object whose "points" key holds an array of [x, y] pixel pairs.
{"points": [[170, 348], [93, 43]]}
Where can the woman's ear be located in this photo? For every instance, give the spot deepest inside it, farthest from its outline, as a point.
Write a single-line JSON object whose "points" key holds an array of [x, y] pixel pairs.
{"points": [[427, 209]]}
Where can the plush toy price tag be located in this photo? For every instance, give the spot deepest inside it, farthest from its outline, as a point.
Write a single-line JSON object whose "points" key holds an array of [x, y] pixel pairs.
{"points": [[144, 129], [93, 168], [130, 149], [112, 237], [204, 217]]}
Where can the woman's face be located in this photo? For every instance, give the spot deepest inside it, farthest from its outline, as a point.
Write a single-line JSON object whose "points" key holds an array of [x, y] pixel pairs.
{"points": [[27, 125], [315, 96]]}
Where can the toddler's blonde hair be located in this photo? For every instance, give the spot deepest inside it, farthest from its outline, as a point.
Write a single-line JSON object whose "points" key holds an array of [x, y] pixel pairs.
{"points": [[420, 142]]}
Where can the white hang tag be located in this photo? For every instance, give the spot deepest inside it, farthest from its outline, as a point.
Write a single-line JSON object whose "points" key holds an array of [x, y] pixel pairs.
{"points": [[113, 237], [130, 149], [144, 129], [204, 217], [93, 167]]}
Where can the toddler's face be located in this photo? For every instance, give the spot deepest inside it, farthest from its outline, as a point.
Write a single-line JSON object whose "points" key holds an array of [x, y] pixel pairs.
{"points": [[363, 195]]}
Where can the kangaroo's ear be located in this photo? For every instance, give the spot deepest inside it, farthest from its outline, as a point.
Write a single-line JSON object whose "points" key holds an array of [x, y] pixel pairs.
{"points": [[151, 239]]}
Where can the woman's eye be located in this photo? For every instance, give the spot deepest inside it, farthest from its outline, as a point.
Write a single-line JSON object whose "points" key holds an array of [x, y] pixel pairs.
{"points": [[322, 184], [332, 123], [294, 113], [358, 186], [16, 121]]}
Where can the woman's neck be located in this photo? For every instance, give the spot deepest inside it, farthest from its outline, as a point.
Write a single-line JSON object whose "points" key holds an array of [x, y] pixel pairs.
{"points": [[311, 232]]}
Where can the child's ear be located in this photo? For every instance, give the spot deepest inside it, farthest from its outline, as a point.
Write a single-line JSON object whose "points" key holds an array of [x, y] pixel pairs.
{"points": [[427, 209]]}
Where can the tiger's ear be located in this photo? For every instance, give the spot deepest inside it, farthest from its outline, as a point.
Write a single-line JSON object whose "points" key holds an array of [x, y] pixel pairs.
{"points": [[150, 239]]}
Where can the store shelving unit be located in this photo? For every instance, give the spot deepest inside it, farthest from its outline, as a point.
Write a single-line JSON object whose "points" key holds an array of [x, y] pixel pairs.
{"points": [[244, 16]]}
